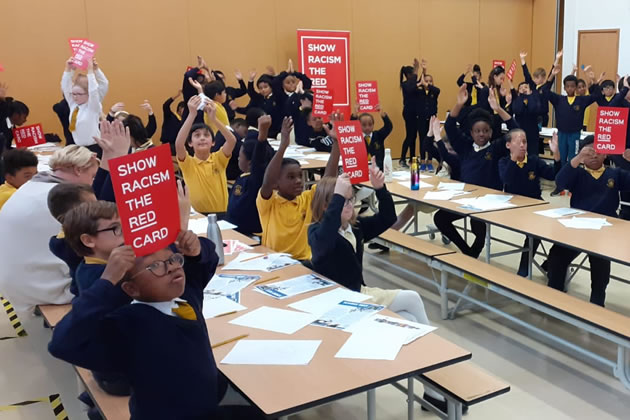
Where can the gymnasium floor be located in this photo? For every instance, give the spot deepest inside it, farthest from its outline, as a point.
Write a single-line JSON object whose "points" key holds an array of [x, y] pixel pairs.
{"points": [[546, 382]]}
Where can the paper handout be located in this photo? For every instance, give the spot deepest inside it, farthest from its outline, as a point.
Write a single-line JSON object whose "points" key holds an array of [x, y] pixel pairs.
{"points": [[323, 302], [214, 305], [387, 326], [365, 345], [593, 223], [561, 212], [346, 313], [443, 195], [451, 186], [272, 352], [228, 284], [274, 319], [249, 261], [420, 185], [486, 202], [295, 286]]}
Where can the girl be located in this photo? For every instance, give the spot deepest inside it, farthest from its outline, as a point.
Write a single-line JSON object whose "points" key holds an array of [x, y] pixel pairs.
{"points": [[411, 104]]}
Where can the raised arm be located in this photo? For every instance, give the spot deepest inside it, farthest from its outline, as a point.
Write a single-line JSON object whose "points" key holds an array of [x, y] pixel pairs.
{"points": [[372, 226], [66, 82], [94, 100], [332, 166], [272, 173], [182, 135], [103, 83], [230, 140]]}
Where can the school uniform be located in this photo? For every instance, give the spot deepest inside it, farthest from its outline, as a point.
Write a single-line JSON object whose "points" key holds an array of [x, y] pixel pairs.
{"points": [[62, 110], [375, 141], [85, 118], [285, 223], [233, 93], [6, 126], [283, 96], [615, 100], [206, 182], [451, 159], [598, 192], [270, 105], [472, 102], [170, 126], [523, 178], [242, 210], [6, 191], [541, 89], [479, 165], [527, 111], [569, 118], [411, 105], [60, 249], [188, 91], [232, 171], [497, 122], [166, 355], [339, 257], [428, 108]]}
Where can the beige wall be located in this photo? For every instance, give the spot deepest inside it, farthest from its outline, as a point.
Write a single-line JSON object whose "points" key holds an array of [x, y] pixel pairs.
{"points": [[146, 45]]}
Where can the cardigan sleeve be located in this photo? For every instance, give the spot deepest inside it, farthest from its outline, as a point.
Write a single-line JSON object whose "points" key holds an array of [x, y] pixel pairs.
{"points": [[372, 226]]}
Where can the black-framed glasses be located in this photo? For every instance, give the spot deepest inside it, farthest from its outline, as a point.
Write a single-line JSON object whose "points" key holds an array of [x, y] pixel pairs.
{"points": [[116, 230], [160, 268]]}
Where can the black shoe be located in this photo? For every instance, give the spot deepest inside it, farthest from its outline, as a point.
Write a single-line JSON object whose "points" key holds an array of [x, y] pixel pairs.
{"points": [[374, 245], [441, 405], [403, 164]]}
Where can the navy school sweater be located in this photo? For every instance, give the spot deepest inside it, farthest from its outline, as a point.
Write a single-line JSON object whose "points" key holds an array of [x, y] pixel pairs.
{"points": [[165, 358], [428, 102], [451, 159], [170, 125], [527, 110], [590, 194], [60, 249], [232, 171], [411, 96], [526, 180], [270, 105], [376, 147], [615, 100], [482, 167], [333, 256], [570, 118], [542, 91], [231, 94]]}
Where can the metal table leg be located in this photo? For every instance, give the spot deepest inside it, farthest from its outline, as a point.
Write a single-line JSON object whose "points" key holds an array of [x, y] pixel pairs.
{"points": [[410, 399], [488, 240], [443, 294], [371, 404], [530, 241]]}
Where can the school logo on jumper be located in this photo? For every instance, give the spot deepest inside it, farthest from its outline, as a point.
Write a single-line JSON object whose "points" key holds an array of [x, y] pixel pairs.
{"points": [[610, 183], [238, 190], [488, 156], [531, 175], [377, 146], [576, 107], [525, 101]]}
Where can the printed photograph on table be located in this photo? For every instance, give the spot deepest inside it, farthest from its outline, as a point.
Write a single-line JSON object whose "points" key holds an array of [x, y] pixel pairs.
{"points": [[346, 313], [296, 286], [228, 284]]}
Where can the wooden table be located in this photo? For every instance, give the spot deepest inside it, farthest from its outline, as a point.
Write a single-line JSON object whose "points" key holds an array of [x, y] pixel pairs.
{"points": [[283, 390]]}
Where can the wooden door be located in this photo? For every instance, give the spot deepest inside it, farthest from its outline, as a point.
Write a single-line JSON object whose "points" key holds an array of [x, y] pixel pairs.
{"points": [[600, 49]]}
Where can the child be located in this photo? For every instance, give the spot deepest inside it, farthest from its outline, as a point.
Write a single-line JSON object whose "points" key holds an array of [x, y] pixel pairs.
{"points": [[526, 107], [160, 341], [428, 108], [61, 199], [581, 91], [20, 165], [266, 100], [252, 160], [172, 121], [12, 114], [287, 84], [473, 87], [411, 105], [374, 140], [238, 127], [140, 139], [593, 188], [117, 112], [216, 92], [479, 164], [84, 98], [607, 97], [540, 84], [204, 173], [232, 93], [520, 173], [285, 214]]}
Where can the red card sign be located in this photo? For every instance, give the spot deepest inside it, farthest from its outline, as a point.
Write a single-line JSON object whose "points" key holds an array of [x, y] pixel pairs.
{"points": [[367, 96], [75, 43], [353, 152], [510, 73], [28, 136], [323, 103], [83, 53], [324, 56], [146, 196], [497, 63], [610, 130]]}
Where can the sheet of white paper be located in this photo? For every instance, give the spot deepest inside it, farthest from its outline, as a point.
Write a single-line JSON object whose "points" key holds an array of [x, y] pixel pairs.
{"points": [[295, 286], [303, 162], [198, 225], [346, 313], [561, 212], [439, 195], [225, 225], [365, 345], [498, 198], [274, 319], [421, 185], [401, 175], [323, 302], [451, 186], [267, 263], [547, 131], [388, 327], [272, 352], [228, 284], [592, 223], [214, 305], [423, 176], [483, 203]]}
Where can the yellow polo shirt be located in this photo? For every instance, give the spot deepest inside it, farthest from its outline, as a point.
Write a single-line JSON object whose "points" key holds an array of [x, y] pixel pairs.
{"points": [[6, 191], [206, 182], [285, 223], [222, 117]]}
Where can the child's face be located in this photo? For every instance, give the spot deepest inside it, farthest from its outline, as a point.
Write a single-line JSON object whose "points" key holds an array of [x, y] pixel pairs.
{"points": [[290, 184], [264, 88], [608, 91], [518, 145], [240, 129], [79, 95], [428, 80], [201, 140], [18, 119], [348, 211], [499, 78], [108, 237], [477, 75], [148, 285], [593, 160], [22, 176], [570, 87], [581, 89], [243, 162], [316, 122], [524, 89], [367, 124], [481, 133], [221, 97], [540, 79], [290, 83]]}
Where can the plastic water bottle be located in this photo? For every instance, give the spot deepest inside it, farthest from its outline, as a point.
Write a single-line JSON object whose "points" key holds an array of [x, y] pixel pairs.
{"points": [[214, 234], [388, 167], [415, 174]]}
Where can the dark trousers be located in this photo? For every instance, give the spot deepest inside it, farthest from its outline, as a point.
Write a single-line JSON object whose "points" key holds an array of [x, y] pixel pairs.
{"points": [[559, 260], [523, 267], [444, 222], [412, 129]]}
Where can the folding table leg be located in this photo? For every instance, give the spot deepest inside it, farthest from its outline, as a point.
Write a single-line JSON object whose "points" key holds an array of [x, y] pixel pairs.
{"points": [[410, 398], [454, 410], [622, 371], [488, 241], [530, 256], [371, 404], [443, 294]]}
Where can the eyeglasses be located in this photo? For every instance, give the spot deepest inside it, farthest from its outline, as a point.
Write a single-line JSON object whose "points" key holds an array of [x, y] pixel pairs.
{"points": [[350, 202], [160, 268], [116, 230]]}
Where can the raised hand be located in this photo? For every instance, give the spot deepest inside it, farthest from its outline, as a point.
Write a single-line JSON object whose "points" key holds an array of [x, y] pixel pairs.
{"points": [[377, 177], [194, 83], [115, 141], [287, 126], [492, 100], [70, 64], [264, 122], [187, 242], [343, 187], [233, 105], [120, 262], [211, 111], [147, 106], [436, 128], [462, 94], [416, 65], [468, 69], [553, 144], [94, 63], [252, 75], [117, 107], [523, 55], [238, 74], [290, 69]]}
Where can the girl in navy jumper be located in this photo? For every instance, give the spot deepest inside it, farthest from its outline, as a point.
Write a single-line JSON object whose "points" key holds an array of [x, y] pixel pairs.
{"points": [[411, 104], [478, 162]]}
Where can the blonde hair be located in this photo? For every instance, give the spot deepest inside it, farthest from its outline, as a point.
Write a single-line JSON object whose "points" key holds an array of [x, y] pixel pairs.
{"points": [[323, 194], [81, 80], [73, 156]]}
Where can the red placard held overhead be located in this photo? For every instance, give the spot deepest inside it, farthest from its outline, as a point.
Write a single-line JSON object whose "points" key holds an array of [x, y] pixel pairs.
{"points": [[353, 152], [323, 100], [610, 130], [511, 71], [324, 56], [28, 136], [367, 96], [497, 63], [146, 197], [75, 43], [83, 53]]}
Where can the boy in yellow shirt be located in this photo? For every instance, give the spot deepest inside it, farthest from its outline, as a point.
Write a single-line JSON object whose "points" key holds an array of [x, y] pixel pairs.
{"points": [[20, 165], [285, 214], [217, 93], [204, 173]]}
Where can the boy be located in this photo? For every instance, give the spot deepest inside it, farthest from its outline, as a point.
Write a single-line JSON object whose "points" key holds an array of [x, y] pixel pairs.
{"points": [[238, 127], [216, 92], [252, 160], [428, 95], [172, 120], [374, 140], [160, 341], [520, 174], [540, 84], [526, 107], [478, 161], [204, 173], [285, 86], [20, 165], [607, 97], [594, 188], [266, 100], [285, 214]]}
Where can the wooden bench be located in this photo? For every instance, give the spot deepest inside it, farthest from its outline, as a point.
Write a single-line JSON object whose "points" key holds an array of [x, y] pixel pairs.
{"points": [[110, 406], [609, 325], [53, 313]]}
